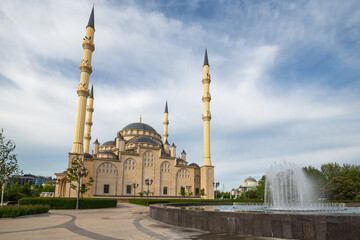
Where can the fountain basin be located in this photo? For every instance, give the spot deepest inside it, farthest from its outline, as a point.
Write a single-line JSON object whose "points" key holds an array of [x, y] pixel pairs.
{"points": [[291, 225]]}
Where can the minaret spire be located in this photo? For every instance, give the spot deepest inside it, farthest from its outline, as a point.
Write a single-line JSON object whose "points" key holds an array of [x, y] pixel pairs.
{"points": [[89, 123], [166, 123], [91, 22], [83, 89], [207, 170]]}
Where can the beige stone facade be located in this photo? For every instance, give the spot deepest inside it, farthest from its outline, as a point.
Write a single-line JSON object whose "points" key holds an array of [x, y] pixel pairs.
{"points": [[137, 153]]}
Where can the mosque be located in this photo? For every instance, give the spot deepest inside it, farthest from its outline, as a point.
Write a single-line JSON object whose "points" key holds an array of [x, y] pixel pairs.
{"points": [[138, 154]]}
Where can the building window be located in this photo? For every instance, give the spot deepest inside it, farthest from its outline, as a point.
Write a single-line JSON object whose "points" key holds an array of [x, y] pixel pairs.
{"points": [[128, 189], [165, 190], [197, 191], [165, 167], [106, 188], [148, 159], [129, 164]]}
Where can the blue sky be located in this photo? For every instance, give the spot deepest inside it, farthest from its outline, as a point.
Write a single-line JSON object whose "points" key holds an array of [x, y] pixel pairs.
{"points": [[285, 78]]}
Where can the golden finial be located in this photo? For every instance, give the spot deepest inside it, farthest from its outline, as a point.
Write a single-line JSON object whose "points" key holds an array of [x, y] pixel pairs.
{"points": [[140, 118]]}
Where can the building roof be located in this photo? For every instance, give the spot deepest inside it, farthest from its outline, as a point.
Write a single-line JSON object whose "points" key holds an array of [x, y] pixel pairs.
{"points": [[107, 152], [87, 155], [142, 126], [91, 22], [143, 140], [206, 61], [109, 143], [194, 165]]}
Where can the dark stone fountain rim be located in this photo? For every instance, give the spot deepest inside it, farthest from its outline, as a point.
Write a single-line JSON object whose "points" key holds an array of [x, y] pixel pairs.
{"points": [[278, 225]]}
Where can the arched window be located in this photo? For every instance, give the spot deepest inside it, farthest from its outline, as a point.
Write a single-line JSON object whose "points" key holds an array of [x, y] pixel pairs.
{"points": [[148, 159], [107, 168], [129, 164], [165, 167], [183, 173]]}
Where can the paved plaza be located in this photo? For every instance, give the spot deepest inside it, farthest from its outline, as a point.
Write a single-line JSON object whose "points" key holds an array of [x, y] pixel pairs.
{"points": [[127, 221]]}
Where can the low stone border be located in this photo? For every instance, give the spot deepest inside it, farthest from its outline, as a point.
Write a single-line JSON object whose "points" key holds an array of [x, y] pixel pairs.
{"points": [[280, 225]]}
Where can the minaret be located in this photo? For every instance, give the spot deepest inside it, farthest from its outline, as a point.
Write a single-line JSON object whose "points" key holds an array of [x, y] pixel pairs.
{"points": [[89, 123], [83, 89], [206, 115], [207, 170], [166, 123]]}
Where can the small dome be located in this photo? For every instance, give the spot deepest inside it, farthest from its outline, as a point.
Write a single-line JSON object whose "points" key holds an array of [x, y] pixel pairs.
{"points": [[143, 140], [109, 143], [87, 155], [193, 165], [142, 126], [250, 179]]}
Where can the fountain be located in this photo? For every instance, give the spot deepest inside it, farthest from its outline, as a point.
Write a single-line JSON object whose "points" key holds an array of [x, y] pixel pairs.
{"points": [[290, 210], [287, 188]]}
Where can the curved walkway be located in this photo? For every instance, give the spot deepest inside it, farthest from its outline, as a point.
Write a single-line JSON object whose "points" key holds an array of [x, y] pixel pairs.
{"points": [[127, 221]]}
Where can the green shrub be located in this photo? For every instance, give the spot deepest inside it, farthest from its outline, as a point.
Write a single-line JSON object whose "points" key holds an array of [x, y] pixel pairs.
{"points": [[154, 201], [15, 196], [15, 211], [357, 198], [70, 203]]}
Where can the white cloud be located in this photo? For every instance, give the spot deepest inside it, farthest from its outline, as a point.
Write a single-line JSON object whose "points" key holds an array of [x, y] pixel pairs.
{"points": [[144, 57]]}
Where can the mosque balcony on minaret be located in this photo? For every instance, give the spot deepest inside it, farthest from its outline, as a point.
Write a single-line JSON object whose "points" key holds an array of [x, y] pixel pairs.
{"points": [[84, 67], [206, 79], [88, 44], [89, 123], [90, 109], [82, 91], [206, 98], [207, 116], [166, 122]]}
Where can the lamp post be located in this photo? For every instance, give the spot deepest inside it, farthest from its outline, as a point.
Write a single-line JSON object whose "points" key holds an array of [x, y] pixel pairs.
{"points": [[79, 174], [135, 186], [216, 184], [55, 181], [148, 182]]}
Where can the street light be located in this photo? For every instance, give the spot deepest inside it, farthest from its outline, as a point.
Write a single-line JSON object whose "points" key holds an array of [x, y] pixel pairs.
{"points": [[135, 187], [148, 182], [79, 173], [216, 184], [55, 181]]}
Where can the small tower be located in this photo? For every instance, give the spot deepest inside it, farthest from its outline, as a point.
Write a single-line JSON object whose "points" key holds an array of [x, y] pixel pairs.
{"points": [[166, 123], [173, 150], [83, 89], [167, 147], [207, 170], [89, 123], [96, 147], [183, 155]]}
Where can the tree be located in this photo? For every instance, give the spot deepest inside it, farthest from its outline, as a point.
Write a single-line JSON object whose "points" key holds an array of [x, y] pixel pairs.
{"points": [[341, 188], [318, 178], [330, 170], [260, 189], [182, 191], [202, 192], [26, 190], [74, 174], [8, 163], [48, 187]]}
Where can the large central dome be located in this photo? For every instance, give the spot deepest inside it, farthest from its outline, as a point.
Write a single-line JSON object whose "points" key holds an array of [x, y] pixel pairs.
{"points": [[142, 126]]}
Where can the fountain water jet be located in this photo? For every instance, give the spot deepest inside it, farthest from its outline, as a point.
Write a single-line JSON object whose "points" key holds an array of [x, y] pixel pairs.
{"points": [[288, 188]]}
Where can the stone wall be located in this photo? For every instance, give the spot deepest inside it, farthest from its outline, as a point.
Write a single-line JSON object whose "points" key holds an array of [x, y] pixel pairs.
{"points": [[280, 225]]}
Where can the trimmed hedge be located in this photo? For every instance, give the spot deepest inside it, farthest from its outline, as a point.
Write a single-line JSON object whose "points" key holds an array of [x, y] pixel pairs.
{"points": [[70, 203], [15, 211], [154, 201]]}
